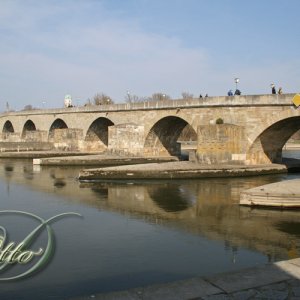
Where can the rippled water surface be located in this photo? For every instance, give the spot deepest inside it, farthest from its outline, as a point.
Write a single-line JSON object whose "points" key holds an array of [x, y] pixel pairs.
{"points": [[138, 233]]}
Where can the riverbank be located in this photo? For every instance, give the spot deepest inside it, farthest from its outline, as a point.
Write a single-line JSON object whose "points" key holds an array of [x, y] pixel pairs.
{"points": [[280, 280], [178, 170], [63, 158], [100, 160], [284, 194], [123, 167], [41, 154]]}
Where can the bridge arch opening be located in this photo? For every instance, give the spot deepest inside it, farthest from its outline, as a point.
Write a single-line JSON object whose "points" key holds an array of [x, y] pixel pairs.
{"points": [[8, 127], [57, 124], [267, 147], [97, 135], [169, 136], [28, 127]]}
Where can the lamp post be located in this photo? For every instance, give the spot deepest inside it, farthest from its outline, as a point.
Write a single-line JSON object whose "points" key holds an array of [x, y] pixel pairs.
{"points": [[236, 80], [128, 96]]}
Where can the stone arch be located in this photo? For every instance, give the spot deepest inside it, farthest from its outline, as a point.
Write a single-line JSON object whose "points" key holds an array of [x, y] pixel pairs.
{"points": [[8, 127], [267, 146], [57, 124], [28, 126], [166, 134], [97, 134]]}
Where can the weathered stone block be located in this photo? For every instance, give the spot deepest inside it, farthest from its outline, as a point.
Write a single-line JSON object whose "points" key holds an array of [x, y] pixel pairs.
{"points": [[126, 139], [11, 136], [25, 146], [66, 138], [222, 143], [35, 136]]}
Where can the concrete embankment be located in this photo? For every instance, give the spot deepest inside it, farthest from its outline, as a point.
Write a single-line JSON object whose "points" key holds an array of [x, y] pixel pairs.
{"points": [[292, 146], [280, 280], [177, 170], [99, 160], [40, 154], [67, 158], [284, 194]]}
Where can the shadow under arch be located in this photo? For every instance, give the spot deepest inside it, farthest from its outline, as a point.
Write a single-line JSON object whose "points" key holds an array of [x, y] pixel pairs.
{"points": [[8, 127], [28, 126], [165, 136], [267, 147], [57, 124], [172, 198], [98, 131]]}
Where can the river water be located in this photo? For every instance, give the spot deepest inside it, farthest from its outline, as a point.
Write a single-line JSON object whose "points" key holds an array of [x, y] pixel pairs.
{"points": [[136, 233]]}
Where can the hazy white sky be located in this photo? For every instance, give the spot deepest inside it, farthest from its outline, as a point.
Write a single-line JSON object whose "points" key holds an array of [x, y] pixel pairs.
{"points": [[52, 48]]}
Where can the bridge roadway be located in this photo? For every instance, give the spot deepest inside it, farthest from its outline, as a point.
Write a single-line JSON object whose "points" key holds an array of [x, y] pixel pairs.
{"points": [[254, 129]]}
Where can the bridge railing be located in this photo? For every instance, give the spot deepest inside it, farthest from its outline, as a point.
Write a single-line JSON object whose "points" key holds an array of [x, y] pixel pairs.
{"points": [[247, 100]]}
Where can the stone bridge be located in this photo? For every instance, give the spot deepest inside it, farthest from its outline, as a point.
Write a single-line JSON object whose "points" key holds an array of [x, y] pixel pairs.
{"points": [[253, 129]]}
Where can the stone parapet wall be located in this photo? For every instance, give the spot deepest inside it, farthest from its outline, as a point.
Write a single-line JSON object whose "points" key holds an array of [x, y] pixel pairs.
{"points": [[242, 100]]}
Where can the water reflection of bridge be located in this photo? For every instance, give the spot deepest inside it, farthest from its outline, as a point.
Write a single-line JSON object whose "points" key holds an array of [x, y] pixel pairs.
{"points": [[203, 207]]}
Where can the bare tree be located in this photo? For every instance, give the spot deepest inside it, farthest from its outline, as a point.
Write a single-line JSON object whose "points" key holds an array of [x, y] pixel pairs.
{"points": [[28, 107], [186, 95], [88, 102], [159, 97], [101, 99], [129, 98]]}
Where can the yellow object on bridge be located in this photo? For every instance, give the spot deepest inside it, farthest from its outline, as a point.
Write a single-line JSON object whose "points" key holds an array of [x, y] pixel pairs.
{"points": [[296, 100]]}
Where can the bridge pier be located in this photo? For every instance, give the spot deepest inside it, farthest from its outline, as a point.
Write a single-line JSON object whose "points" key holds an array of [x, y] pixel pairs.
{"points": [[173, 148], [35, 136], [66, 138], [126, 139], [221, 144], [10, 137], [264, 154]]}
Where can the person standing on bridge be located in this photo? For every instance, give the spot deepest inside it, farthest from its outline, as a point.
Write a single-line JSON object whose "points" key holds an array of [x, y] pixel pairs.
{"points": [[237, 92], [273, 88], [230, 93], [280, 91]]}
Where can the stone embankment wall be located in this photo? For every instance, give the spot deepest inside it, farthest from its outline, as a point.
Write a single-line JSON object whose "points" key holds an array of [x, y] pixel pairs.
{"points": [[25, 146], [30, 141]]}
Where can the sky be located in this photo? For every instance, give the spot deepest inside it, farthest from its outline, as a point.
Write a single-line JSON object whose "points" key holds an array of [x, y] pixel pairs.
{"points": [[51, 48]]}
